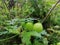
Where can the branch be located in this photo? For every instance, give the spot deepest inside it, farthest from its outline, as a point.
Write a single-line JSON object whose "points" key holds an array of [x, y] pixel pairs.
{"points": [[50, 11]]}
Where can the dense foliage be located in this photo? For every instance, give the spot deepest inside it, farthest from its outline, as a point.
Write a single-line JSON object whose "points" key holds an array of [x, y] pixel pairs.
{"points": [[21, 22]]}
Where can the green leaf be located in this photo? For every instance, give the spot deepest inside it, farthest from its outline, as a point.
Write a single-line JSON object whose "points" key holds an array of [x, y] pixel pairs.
{"points": [[26, 38], [4, 32], [27, 35]]}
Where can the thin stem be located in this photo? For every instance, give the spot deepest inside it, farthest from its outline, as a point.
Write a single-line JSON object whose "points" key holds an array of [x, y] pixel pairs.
{"points": [[50, 11], [8, 38]]}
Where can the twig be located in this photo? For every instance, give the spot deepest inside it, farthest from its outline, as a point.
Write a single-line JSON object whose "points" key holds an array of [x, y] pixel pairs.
{"points": [[8, 38], [50, 11], [54, 31]]}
